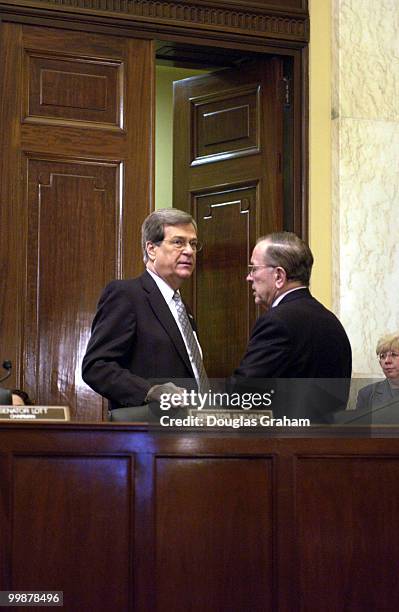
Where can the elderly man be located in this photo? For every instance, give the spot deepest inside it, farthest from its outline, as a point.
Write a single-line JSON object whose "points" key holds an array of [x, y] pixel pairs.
{"points": [[141, 333], [297, 337]]}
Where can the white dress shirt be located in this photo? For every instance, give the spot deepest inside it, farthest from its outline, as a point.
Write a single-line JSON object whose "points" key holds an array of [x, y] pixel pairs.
{"points": [[280, 297], [168, 293]]}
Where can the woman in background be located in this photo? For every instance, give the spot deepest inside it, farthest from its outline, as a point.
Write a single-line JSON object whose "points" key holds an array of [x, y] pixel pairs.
{"points": [[386, 391]]}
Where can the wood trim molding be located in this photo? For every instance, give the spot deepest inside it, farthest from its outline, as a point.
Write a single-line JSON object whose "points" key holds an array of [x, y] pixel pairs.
{"points": [[233, 16]]}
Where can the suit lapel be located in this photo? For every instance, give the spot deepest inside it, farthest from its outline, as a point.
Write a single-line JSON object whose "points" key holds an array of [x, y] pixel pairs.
{"points": [[162, 312]]}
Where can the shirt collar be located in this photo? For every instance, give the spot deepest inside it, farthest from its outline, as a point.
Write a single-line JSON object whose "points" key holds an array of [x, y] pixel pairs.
{"points": [[163, 286], [280, 297]]}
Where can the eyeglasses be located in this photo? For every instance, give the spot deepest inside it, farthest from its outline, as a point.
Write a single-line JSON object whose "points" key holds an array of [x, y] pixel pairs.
{"points": [[392, 354], [252, 268], [179, 244]]}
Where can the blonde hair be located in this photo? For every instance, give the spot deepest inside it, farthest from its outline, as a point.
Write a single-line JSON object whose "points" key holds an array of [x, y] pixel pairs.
{"points": [[387, 343]]}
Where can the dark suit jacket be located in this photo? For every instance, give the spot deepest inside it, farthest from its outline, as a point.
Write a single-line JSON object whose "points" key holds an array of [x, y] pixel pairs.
{"points": [[299, 339], [374, 395], [135, 343], [376, 405]]}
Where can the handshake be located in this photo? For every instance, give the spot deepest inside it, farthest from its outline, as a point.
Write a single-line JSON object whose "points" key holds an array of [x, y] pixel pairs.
{"points": [[169, 395], [178, 396]]}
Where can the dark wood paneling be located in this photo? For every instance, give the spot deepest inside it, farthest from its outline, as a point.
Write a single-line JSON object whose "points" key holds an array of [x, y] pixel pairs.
{"points": [[225, 126], [12, 225], [76, 504], [214, 551], [289, 4], [345, 507], [270, 20], [275, 4], [223, 520], [72, 88], [76, 191], [72, 223], [237, 160], [227, 222], [5, 518]]}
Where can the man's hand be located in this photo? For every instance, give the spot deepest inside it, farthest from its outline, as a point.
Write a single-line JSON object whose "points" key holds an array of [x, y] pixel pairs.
{"points": [[155, 393]]}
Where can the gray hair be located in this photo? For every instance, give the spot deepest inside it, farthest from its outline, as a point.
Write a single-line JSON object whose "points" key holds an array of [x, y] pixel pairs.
{"points": [[387, 343], [288, 251], [153, 228]]}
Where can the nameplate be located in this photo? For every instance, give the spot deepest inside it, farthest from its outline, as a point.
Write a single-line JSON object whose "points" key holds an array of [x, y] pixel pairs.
{"points": [[34, 413]]}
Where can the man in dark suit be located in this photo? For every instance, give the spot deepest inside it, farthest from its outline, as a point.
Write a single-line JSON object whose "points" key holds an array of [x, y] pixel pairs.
{"points": [[137, 345], [297, 337]]}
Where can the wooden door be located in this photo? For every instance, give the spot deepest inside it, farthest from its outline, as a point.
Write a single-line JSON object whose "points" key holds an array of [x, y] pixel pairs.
{"points": [[75, 175], [228, 144]]}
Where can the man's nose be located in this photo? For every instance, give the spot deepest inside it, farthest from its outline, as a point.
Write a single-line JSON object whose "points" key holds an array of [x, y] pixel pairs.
{"points": [[188, 249]]}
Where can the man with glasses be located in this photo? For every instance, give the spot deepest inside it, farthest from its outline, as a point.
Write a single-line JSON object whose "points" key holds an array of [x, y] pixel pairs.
{"points": [[142, 336], [297, 337]]}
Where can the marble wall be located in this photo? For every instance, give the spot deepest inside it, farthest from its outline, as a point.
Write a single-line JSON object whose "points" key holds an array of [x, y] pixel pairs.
{"points": [[365, 172]]}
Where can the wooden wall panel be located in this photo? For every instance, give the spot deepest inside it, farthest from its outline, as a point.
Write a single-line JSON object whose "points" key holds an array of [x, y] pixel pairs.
{"points": [[72, 88], [77, 154], [72, 222], [81, 504], [344, 507], [12, 225], [268, 20], [280, 4], [5, 521], [227, 223], [214, 550], [287, 520]]}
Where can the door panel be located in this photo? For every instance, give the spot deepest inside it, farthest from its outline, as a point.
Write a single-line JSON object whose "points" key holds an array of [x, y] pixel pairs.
{"points": [[61, 278], [223, 265], [77, 141], [228, 147], [226, 125]]}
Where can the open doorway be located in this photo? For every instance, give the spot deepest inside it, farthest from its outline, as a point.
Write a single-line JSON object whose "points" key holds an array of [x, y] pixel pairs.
{"points": [[222, 119], [166, 75], [176, 62]]}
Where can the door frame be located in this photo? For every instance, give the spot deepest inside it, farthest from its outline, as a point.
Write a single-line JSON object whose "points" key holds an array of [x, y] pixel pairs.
{"points": [[227, 24]]}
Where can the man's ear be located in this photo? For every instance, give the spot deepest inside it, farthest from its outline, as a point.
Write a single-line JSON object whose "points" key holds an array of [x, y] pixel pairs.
{"points": [[150, 248], [281, 277]]}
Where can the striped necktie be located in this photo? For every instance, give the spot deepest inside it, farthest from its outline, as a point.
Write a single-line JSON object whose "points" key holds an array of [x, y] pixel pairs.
{"points": [[203, 382]]}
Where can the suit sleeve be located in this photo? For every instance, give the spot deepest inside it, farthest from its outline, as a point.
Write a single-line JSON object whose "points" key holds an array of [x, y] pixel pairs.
{"points": [[105, 365], [269, 350]]}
